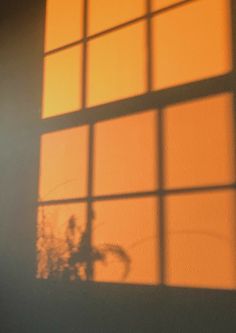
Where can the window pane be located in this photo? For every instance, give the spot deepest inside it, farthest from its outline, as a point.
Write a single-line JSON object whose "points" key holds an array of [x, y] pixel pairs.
{"points": [[63, 22], [201, 240], [127, 228], [199, 142], [105, 14], [191, 43], [62, 82], [63, 164], [59, 232], [117, 65], [125, 154]]}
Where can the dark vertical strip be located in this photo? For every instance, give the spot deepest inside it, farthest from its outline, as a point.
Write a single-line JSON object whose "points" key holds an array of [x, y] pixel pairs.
{"points": [[149, 46], [233, 25], [149, 89], [160, 152], [161, 216], [42, 24], [89, 224]]}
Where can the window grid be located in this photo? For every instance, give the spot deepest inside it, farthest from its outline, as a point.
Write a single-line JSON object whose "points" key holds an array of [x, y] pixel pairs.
{"points": [[158, 100]]}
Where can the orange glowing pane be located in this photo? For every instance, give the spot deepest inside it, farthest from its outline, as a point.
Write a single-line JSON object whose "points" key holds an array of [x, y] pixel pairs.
{"points": [[191, 43], [161, 4], [105, 14], [129, 227], [62, 82], [117, 65], [125, 154], [200, 240], [63, 164], [199, 142], [63, 23], [59, 232]]}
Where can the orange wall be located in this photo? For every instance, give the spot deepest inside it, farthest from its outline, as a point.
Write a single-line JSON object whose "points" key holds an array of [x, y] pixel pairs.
{"points": [[156, 186]]}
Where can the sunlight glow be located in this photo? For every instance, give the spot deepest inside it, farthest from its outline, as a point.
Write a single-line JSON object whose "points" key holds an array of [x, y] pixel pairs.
{"points": [[63, 167], [131, 224], [191, 43], [200, 240], [117, 65], [62, 82], [142, 190], [125, 154], [63, 23], [105, 14], [199, 142], [161, 4]]}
